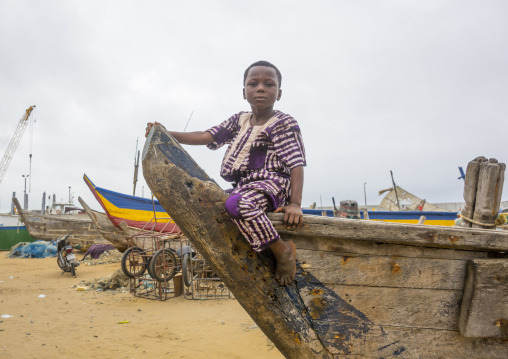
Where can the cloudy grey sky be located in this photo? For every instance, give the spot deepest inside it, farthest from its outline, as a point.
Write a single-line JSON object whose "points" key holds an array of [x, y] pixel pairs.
{"points": [[416, 87]]}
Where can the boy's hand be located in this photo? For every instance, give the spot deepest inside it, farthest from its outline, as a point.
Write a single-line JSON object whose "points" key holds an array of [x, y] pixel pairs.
{"points": [[149, 126], [293, 215]]}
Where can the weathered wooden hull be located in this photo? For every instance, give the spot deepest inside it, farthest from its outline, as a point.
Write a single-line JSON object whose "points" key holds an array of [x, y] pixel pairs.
{"points": [[406, 281], [82, 231], [134, 211], [364, 289], [113, 234]]}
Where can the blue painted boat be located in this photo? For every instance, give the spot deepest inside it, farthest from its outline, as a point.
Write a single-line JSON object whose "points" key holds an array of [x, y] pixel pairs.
{"points": [[440, 218]]}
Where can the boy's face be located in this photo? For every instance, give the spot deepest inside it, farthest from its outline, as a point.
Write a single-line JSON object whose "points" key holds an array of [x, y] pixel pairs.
{"points": [[261, 87]]}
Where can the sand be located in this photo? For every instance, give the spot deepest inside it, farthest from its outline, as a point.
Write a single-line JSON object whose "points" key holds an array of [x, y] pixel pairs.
{"points": [[51, 319]]}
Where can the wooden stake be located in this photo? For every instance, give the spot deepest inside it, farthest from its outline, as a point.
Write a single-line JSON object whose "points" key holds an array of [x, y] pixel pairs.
{"points": [[470, 185], [486, 194]]}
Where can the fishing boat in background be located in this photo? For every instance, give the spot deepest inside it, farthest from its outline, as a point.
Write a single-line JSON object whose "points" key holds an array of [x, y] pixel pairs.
{"points": [[82, 232], [108, 230], [12, 231], [398, 206], [440, 218], [137, 212]]}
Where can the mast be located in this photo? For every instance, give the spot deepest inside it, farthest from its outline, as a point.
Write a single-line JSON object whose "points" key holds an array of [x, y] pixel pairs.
{"points": [[395, 189], [136, 166]]}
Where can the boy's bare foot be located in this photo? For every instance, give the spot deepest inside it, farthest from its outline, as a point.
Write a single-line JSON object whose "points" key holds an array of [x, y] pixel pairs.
{"points": [[285, 255]]}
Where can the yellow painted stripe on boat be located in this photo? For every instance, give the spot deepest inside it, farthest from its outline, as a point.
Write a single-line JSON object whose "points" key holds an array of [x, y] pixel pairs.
{"points": [[431, 222], [134, 214]]}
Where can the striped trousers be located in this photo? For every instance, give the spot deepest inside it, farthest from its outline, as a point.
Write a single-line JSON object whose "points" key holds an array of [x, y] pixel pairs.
{"points": [[247, 207]]}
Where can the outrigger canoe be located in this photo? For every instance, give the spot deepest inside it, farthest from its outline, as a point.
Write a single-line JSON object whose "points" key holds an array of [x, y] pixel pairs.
{"points": [[363, 289]]}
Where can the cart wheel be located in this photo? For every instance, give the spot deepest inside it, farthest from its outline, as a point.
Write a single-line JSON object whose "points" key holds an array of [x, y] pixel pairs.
{"points": [[133, 263], [163, 265], [187, 270]]}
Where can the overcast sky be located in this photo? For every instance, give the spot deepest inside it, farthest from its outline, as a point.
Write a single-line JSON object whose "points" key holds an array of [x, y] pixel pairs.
{"points": [[416, 87]]}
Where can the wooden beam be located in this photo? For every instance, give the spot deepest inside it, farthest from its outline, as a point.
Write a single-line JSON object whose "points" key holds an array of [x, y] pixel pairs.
{"points": [[397, 233], [484, 311], [196, 203]]}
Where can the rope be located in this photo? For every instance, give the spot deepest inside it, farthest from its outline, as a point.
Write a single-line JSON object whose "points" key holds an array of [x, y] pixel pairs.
{"points": [[477, 223]]}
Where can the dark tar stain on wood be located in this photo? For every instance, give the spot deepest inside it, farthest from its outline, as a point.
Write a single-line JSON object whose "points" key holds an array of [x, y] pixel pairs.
{"points": [[335, 321]]}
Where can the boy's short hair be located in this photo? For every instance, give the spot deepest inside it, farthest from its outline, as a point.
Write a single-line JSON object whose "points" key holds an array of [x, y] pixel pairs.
{"points": [[263, 63]]}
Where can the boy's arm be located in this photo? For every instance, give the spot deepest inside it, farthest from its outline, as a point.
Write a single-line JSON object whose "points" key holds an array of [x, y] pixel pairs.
{"points": [[192, 138], [296, 186], [186, 138], [293, 215]]}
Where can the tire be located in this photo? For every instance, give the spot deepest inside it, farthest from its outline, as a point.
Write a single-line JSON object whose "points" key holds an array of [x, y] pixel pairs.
{"points": [[187, 274], [163, 265], [60, 264], [73, 270], [132, 263]]}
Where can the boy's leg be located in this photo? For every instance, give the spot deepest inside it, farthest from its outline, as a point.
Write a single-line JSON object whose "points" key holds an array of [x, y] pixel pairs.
{"points": [[247, 208]]}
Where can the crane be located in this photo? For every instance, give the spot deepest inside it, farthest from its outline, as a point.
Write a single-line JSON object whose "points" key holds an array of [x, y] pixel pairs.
{"points": [[11, 149]]}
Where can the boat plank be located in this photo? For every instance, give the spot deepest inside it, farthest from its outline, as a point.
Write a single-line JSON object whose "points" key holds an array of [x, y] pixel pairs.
{"points": [[384, 271], [401, 307], [349, 247], [397, 233], [409, 343]]}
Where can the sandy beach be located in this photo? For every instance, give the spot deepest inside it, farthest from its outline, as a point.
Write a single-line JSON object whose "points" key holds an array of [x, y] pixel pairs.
{"points": [[44, 316]]}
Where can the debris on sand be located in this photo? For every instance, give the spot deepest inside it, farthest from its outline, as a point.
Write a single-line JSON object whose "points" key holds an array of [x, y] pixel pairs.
{"points": [[115, 281], [106, 257]]}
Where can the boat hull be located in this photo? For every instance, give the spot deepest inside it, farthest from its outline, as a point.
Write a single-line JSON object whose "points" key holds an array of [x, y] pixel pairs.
{"points": [[110, 232], [134, 211], [363, 289], [405, 297], [412, 217], [10, 236], [81, 230]]}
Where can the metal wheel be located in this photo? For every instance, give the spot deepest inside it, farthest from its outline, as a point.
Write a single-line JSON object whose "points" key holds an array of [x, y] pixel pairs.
{"points": [[163, 265], [187, 270], [133, 263], [60, 264]]}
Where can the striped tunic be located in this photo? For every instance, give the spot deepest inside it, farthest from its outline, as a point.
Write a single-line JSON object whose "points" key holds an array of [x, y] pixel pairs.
{"points": [[258, 161]]}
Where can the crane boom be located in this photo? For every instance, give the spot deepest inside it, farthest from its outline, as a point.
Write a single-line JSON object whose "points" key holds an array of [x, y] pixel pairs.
{"points": [[11, 149]]}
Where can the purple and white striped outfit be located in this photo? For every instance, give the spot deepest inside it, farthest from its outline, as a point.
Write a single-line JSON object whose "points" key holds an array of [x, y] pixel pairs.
{"points": [[258, 161]]}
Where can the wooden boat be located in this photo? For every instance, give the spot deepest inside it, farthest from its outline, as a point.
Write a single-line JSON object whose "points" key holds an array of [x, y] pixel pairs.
{"points": [[81, 229], [12, 231], [435, 218], [137, 212], [364, 289], [107, 229]]}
